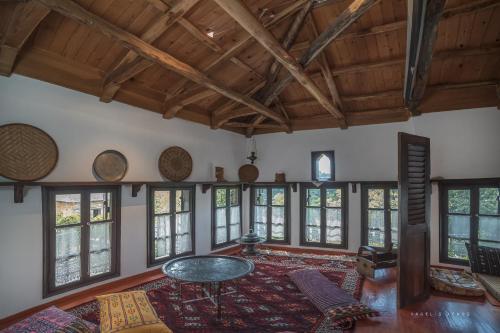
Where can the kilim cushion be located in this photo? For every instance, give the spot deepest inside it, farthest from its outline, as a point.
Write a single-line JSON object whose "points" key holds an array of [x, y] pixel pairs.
{"points": [[52, 320], [454, 282], [129, 312], [483, 259], [333, 301]]}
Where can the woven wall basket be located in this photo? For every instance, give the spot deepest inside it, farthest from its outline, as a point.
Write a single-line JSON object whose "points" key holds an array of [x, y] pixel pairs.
{"points": [[110, 166], [175, 164], [26, 153], [248, 173]]}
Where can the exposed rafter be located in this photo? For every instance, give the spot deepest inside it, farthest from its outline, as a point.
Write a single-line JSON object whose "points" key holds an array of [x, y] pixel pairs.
{"points": [[123, 68], [174, 104], [147, 51], [423, 20], [26, 17], [239, 12], [274, 69]]}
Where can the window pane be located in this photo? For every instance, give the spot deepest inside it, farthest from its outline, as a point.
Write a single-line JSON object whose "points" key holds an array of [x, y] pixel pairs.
{"points": [[260, 223], [182, 200], [313, 197], [376, 227], [261, 196], [278, 196], [334, 197], [67, 255], [376, 198], [459, 201], [394, 197], [459, 226], [490, 244], [313, 222], [233, 194], [456, 249], [162, 202], [220, 197], [313, 234], [182, 232], [333, 225], [67, 209], [100, 248], [394, 228], [278, 223], [234, 227], [489, 228], [488, 201], [162, 236], [100, 207], [220, 225], [323, 168]]}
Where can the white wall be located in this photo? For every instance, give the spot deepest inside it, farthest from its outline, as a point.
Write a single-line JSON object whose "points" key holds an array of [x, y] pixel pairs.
{"points": [[464, 144], [83, 127]]}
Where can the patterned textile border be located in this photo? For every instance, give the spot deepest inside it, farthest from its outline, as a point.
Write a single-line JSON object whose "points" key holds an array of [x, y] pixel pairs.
{"points": [[334, 263]]}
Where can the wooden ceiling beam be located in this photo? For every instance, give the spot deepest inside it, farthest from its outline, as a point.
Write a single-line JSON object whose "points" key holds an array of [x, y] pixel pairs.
{"points": [[498, 95], [423, 21], [274, 69], [24, 20], [239, 12], [123, 70], [73, 10], [341, 22], [188, 90]]}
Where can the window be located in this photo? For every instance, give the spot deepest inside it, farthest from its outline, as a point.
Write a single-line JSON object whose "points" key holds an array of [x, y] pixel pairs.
{"points": [[226, 218], [170, 223], [470, 212], [81, 236], [269, 213], [323, 215], [379, 218], [323, 165]]}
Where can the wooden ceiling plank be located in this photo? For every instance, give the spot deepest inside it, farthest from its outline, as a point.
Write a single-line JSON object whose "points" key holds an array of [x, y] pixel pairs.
{"points": [[25, 19], [274, 69], [341, 22], [149, 52], [239, 12], [111, 83], [424, 17], [227, 55]]}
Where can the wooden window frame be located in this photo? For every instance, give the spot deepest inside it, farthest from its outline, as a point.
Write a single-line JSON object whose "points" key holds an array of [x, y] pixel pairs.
{"points": [[151, 261], [269, 240], [386, 186], [344, 209], [469, 184], [314, 156], [48, 212], [228, 214]]}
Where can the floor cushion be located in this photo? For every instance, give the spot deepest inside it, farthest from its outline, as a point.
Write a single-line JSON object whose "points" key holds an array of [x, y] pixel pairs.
{"points": [[483, 259], [454, 282], [334, 302], [491, 283], [52, 320], [129, 312]]}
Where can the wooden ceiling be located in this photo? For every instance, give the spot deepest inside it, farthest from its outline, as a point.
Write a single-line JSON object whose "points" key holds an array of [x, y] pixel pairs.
{"points": [[256, 66]]}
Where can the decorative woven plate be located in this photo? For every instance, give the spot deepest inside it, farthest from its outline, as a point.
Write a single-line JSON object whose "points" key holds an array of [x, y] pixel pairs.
{"points": [[175, 164], [248, 173], [26, 152], [110, 166]]}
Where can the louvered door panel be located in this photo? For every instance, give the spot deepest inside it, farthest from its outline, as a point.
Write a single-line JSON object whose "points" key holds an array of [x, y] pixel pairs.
{"points": [[414, 214]]}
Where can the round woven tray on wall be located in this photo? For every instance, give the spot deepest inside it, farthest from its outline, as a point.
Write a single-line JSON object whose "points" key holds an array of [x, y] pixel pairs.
{"points": [[110, 166], [26, 152], [248, 173], [175, 164]]}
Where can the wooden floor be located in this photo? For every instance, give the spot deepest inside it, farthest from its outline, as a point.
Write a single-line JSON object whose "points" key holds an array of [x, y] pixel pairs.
{"points": [[440, 313]]}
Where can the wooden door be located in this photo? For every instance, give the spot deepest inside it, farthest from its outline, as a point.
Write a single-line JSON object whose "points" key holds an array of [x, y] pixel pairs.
{"points": [[414, 218]]}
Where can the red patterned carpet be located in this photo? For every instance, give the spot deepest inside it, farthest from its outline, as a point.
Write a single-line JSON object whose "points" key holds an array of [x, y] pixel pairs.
{"points": [[264, 301]]}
